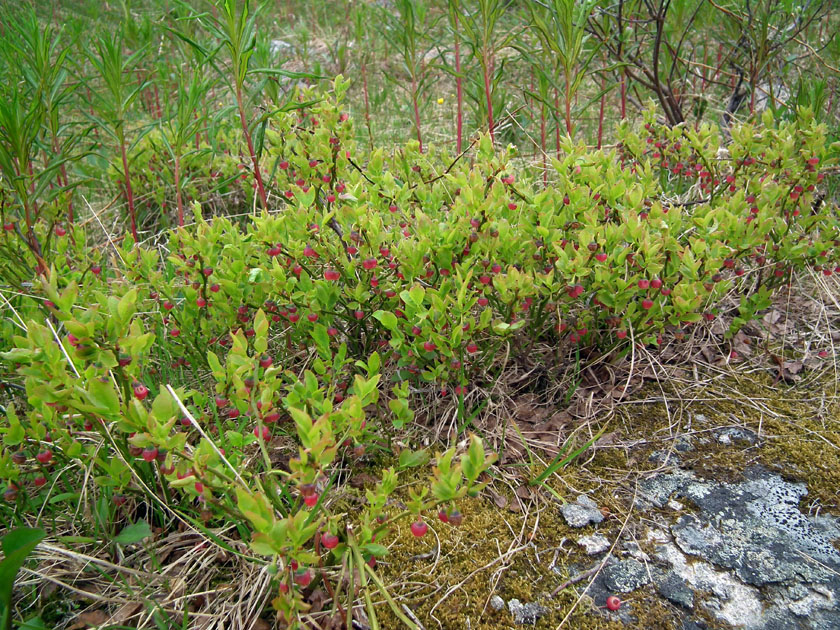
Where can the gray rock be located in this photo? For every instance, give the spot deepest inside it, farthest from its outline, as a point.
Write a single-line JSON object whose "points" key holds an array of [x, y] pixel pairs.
{"points": [[675, 590], [760, 561], [594, 544], [582, 512], [634, 551], [525, 614], [662, 458], [734, 435], [497, 603], [625, 576]]}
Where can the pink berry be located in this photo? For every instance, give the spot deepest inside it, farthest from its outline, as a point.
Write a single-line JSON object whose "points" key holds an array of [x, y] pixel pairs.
{"points": [[419, 528], [613, 602]]}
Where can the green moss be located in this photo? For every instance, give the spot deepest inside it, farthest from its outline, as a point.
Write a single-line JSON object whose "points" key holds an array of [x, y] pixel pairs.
{"points": [[447, 585]]}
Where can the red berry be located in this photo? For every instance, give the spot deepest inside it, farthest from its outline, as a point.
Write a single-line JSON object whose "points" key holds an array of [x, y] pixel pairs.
{"points": [[331, 274], [419, 528], [455, 518], [443, 516], [613, 603], [600, 257], [621, 334], [369, 263], [40, 481], [647, 304], [215, 288], [429, 346], [359, 314], [150, 454], [266, 362], [311, 500], [200, 302], [483, 301], [60, 231], [140, 391], [332, 332], [330, 541], [643, 284], [266, 433], [472, 348], [312, 317], [656, 283]]}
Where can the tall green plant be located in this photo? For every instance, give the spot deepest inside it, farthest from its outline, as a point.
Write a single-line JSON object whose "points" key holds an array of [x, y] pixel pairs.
{"points": [[561, 27], [236, 30], [113, 101], [406, 32], [484, 41], [40, 57], [182, 125]]}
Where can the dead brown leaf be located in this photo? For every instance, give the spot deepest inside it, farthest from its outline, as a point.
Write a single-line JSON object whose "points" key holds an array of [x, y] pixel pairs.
{"points": [[90, 619]]}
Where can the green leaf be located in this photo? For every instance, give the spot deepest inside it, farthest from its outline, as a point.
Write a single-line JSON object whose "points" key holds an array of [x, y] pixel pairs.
{"points": [[256, 509], [103, 396], [387, 319], [16, 545], [133, 533], [412, 459], [375, 549], [15, 433]]}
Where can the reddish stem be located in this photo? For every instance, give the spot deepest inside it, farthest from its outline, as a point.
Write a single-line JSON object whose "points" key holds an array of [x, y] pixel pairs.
{"points": [[63, 181], [543, 147], [178, 190], [601, 110], [623, 86], [568, 108], [128, 192], [557, 126], [416, 112], [367, 103], [489, 97], [459, 90], [157, 103], [255, 163]]}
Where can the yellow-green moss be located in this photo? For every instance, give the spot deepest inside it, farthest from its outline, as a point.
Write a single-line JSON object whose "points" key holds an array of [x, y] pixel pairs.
{"points": [[420, 577]]}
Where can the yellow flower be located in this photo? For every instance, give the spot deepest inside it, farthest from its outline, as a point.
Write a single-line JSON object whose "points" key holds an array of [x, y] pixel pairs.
{"points": [[440, 101]]}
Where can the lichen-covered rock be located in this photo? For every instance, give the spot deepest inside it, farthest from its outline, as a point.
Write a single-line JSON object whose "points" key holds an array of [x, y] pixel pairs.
{"points": [[676, 590], [626, 576], [594, 544], [525, 614], [582, 512]]}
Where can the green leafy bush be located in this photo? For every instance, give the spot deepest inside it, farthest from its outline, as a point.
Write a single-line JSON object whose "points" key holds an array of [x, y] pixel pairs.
{"points": [[384, 281]]}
